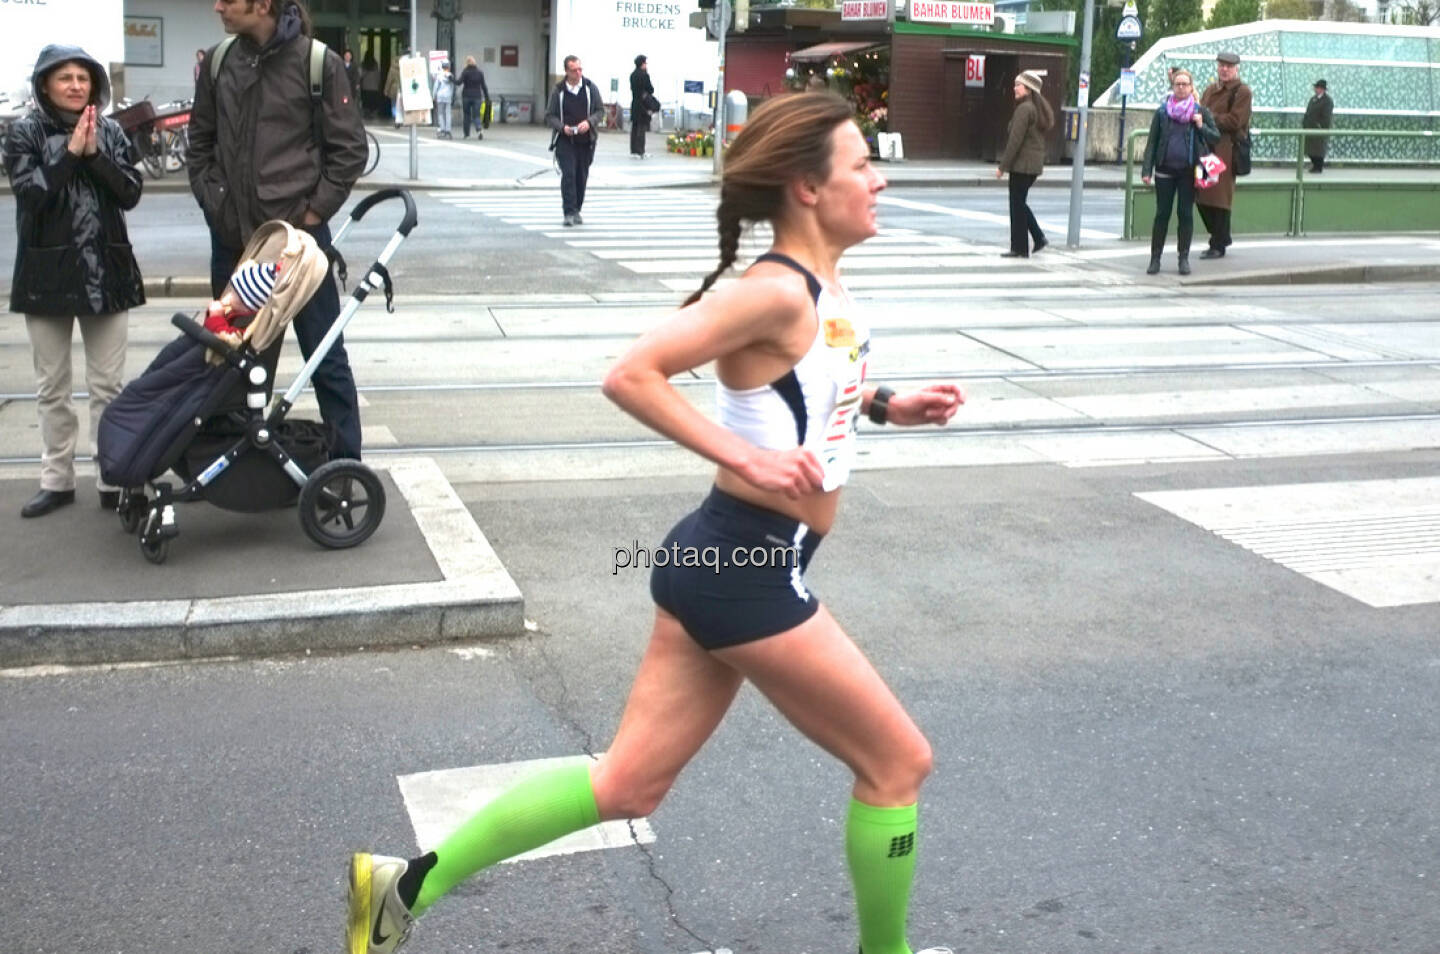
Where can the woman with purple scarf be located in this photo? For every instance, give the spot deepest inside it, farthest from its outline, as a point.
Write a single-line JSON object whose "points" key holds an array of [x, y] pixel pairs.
{"points": [[1179, 126]]}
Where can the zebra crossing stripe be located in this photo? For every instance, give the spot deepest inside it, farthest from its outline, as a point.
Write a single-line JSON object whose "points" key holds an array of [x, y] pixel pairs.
{"points": [[670, 237]]}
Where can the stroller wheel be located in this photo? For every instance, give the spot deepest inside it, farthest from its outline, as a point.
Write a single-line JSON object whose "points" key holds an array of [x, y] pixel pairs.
{"points": [[341, 504], [132, 510], [156, 549]]}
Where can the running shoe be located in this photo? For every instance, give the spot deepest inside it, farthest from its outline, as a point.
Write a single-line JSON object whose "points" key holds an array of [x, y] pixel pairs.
{"points": [[378, 922]]}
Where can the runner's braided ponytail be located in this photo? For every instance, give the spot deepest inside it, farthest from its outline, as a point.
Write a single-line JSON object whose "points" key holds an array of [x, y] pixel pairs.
{"points": [[786, 138]]}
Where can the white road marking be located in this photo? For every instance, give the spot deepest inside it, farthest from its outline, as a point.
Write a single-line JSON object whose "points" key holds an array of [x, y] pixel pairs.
{"points": [[439, 801], [1376, 541]]}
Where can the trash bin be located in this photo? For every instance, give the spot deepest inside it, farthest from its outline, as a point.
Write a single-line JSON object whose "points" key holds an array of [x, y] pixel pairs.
{"points": [[517, 109]]}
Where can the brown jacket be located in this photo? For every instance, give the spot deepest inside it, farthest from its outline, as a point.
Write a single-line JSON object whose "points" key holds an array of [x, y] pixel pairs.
{"points": [[261, 148], [1230, 105], [1025, 148]]}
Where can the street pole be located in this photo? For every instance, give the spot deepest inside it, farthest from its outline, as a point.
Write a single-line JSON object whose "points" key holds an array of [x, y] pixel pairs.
{"points": [[1077, 168], [722, 7], [414, 132], [1129, 49]]}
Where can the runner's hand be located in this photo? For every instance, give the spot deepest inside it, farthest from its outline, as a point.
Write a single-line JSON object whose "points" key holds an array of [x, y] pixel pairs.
{"points": [[932, 404], [794, 472]]}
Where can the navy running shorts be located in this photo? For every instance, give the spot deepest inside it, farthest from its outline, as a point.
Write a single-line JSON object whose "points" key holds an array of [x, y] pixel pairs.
{"points": [[732, 572]]}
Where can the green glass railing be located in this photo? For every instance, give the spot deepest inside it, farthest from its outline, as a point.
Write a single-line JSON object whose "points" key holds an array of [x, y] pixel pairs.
{"points": [[1388, 200]]}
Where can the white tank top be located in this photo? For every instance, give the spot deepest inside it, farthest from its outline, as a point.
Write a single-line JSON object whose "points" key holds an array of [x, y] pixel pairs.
{"points": [[815, 404]]}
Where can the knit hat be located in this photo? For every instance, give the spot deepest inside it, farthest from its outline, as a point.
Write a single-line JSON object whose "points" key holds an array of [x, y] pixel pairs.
{"points": [[1030, 80], [1321, 84], [254, 283]]}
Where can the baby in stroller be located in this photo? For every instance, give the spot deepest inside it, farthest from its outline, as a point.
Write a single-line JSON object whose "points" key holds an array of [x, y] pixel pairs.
{"points": [[250, 287], [203, 406]]}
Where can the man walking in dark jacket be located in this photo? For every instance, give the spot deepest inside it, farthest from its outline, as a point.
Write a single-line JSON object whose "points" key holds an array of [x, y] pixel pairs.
{"points": [[473, 95], [574, 113], [263, 147], [642, 95]]}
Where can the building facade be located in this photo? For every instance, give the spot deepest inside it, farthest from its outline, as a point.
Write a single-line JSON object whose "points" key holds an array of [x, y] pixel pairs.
{"points": [[518, 43]]}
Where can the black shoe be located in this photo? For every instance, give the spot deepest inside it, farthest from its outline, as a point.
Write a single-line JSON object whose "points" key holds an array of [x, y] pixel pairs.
{"points": [[1039, 244], [46, 501], [1154, 268], [1184, 264], [1013, 255], [1213, 253], [569, 220], [479, 135], [109, 500]]}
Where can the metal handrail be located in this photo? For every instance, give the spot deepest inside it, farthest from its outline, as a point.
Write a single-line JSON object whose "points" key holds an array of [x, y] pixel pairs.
{"points": [[1298, 206]]}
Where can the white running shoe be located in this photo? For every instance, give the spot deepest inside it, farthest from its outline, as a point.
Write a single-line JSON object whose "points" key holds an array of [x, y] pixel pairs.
{"points": [[378, 921]]}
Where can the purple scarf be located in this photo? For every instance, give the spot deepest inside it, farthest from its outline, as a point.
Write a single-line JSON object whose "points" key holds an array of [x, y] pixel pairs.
{"points": [[1182, 111]]}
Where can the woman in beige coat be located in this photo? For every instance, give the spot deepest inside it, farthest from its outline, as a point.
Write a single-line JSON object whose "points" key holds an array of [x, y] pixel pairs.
{"points": [[1024, 159]]}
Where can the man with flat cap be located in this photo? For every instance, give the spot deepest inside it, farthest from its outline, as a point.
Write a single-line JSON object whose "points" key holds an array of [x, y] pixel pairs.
{"points": [[1318, 114], [1228, 101]]}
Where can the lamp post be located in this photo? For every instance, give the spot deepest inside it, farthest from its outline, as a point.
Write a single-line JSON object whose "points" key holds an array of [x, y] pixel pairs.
{"points": [[414, 132], [1077, 167]]}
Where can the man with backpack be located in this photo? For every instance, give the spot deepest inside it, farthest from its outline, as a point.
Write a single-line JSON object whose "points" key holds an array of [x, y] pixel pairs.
{"points": [[274, 135]]}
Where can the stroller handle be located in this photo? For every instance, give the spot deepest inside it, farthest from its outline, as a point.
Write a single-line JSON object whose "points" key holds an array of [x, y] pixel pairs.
{"points": [[200, 333], [375, 198]]}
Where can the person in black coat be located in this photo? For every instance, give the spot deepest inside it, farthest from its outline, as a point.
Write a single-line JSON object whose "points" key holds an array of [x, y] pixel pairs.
{"points": [[642, 103], [72, 171], [473, 95], [1319, 113]]}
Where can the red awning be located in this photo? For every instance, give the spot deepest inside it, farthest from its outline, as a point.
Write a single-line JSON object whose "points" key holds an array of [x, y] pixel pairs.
{"points": [[823, 51]]}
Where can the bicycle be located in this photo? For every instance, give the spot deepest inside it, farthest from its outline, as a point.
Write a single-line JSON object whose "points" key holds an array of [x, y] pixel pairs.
{"points": [[161, 139], [372, 153]]}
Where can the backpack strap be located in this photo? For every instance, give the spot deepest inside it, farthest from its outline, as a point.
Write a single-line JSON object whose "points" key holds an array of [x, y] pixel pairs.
{"points": [[317, 64], [218, 55], [317, 70]]}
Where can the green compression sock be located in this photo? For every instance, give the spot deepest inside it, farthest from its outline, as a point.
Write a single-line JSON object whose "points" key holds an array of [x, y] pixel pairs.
{"points": [[880, 847], [533, 813]]}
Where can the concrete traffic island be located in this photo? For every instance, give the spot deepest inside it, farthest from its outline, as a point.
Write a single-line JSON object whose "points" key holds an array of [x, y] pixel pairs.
{"points": [[75, 590]]}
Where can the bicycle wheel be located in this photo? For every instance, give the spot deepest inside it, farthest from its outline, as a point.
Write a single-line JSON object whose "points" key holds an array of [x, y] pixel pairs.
{"points": [[152, 153], [372, 157], [174, 151]]}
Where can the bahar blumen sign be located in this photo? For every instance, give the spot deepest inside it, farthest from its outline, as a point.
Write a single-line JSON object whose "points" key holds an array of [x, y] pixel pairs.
{"points": [[865, 9], [948, 11]]}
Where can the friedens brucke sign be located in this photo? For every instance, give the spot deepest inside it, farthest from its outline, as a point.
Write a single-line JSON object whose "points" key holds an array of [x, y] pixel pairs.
{"points": [[648, 16], [865, 9], [948, 11]]}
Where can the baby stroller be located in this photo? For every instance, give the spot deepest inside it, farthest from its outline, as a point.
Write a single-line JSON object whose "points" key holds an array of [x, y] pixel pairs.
{"points": [[199, 409]]}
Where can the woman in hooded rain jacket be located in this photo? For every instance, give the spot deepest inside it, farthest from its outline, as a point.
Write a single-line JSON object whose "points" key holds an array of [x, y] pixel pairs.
{"points": [[73, 174]]}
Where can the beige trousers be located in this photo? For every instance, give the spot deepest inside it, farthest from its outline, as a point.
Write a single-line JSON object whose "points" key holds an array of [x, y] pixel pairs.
{"points": [[105, 338]]}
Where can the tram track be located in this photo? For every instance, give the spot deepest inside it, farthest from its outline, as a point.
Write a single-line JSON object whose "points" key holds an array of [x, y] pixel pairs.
{"points": [[954, 432]]}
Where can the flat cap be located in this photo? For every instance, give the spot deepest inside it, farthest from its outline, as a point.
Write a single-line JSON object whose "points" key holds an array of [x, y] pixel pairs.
{"points": [[1227, 56]]}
